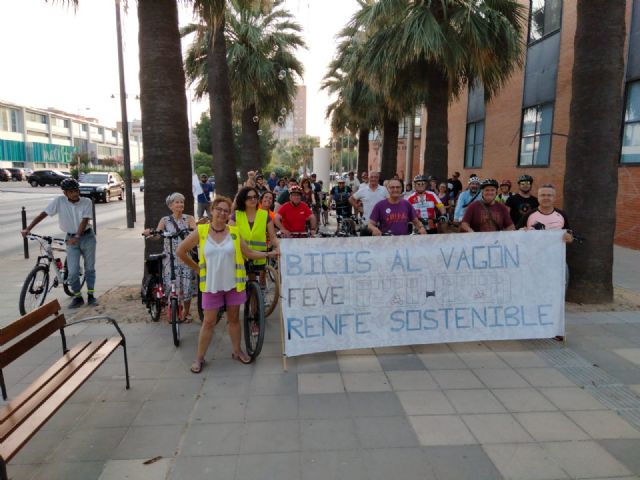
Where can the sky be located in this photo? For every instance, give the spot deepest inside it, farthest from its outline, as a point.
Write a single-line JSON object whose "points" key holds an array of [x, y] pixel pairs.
{"points": [[55, 56]]}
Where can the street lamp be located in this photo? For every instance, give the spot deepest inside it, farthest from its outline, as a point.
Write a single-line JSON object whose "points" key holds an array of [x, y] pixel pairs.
{"points": [[125, 123]]}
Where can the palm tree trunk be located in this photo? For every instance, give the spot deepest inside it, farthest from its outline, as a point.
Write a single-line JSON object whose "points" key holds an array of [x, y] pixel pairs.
{"points": [[224, 162], [167, 166], [363, 150], [593, 148], [389, 162], [437, 139], [250, 153]]}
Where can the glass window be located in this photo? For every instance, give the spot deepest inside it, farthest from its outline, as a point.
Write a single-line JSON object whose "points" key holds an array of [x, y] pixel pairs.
{"points": [[535, 143], [473, 145], [631, 131], [544, 18]]}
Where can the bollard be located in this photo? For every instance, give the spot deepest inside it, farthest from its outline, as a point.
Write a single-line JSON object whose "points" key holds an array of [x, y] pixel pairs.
{"points": [[25, 241], [133, 198], [93, 208]]}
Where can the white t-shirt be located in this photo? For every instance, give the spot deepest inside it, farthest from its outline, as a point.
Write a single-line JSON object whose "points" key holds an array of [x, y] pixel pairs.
{"points": [[354, 184], [370, 197], [70, 214], [221, 265]]}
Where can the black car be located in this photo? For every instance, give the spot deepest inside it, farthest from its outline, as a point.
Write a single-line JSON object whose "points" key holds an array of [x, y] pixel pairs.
{"points": [[102, 186], [45, 177], [5, 175], [17, 174]]}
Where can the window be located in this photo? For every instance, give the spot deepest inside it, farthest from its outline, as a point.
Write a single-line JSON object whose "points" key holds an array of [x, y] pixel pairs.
{"points": [[631, 132], [473, 144], [8, 120], [100, 130], [535, 143], [36, 117], [544, 18], [84, 127]]}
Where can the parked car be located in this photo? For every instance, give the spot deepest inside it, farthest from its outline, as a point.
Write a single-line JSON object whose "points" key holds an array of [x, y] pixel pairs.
{"points": [[45, 177], [102, 186], [5, 175], [142, 184], [17, 174]]}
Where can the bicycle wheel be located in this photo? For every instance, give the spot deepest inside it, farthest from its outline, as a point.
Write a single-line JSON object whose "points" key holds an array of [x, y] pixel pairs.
{"points": [[65, 276], [271, 291], [34, 290], [154, 303], [175, 325], [254, 320]]}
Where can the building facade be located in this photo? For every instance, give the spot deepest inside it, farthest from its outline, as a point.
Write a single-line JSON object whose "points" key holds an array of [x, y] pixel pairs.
{"points": [[524, 129], [294, 124], [37, 138]]}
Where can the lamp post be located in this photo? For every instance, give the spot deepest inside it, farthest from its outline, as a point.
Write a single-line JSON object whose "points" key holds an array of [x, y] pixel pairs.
{"points": [[125, 123]]}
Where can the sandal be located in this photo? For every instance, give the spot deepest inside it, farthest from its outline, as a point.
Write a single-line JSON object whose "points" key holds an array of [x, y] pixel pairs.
{"points": [[242, 357], [187, 318], [196, 366]]}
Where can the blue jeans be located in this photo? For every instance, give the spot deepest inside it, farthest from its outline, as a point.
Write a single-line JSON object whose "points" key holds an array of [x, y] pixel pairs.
{"points": [[86, 247]]}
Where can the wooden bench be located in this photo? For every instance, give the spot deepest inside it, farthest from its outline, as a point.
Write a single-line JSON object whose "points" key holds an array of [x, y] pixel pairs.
{"points": [[24, 415]]}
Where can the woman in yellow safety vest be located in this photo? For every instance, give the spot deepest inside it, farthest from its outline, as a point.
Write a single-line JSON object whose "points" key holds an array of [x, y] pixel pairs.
{"points": [[254, 225], [222, 276]]}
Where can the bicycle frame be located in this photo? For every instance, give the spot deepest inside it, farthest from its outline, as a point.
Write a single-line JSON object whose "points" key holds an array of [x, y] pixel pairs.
{"points": [[49, 259]]}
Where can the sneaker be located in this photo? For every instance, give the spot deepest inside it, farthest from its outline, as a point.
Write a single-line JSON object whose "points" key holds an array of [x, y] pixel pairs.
{"points": [[76, 302], [92, 301]]}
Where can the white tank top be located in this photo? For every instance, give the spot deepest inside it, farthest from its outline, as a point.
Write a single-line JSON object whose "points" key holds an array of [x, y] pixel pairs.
{"points": [[221, 265]]}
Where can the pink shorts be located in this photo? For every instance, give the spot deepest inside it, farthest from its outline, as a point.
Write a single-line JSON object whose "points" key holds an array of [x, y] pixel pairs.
{"points": [[213, 301]]}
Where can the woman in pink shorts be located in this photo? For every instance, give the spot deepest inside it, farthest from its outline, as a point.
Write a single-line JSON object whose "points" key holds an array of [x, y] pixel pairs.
{"points": [[222, 276]]}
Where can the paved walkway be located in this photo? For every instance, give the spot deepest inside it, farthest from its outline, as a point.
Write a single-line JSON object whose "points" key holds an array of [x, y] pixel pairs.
{"points": [[480, 410]]}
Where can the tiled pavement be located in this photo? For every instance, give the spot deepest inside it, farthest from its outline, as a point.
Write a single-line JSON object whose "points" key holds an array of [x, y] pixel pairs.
{"points": [[461, 411]]}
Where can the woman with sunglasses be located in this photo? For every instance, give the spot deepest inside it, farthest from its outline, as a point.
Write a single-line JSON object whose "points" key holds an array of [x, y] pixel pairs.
{"points": [[222, 276]]}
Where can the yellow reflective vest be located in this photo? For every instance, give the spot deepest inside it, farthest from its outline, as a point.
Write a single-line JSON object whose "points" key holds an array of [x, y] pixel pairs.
{"points": [[241, 274], [255, 237]]}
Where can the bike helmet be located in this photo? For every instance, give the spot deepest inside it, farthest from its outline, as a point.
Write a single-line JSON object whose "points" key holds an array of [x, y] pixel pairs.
{"points": [[295, 189], [69, 184], [419, 178], [505, 182], [489, 182], [474, 180], [525, 178]]}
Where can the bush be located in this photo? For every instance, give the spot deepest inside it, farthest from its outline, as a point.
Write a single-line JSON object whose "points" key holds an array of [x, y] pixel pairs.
{"points": [[279, 169]]}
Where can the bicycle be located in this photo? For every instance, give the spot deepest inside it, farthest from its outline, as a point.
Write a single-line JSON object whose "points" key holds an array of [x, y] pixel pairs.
{"points": [[153, 288], [36, 286], [175, 308], [253, 319]]}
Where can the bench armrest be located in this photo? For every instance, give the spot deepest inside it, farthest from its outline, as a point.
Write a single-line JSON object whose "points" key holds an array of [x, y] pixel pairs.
{"points": [[99, 317]]}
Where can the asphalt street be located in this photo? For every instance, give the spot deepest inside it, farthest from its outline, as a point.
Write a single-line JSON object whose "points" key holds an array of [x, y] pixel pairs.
{"points": [[15, 195]]}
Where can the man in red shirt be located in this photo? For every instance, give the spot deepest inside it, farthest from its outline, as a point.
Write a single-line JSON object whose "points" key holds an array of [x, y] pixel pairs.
{"points": [[487, 215], [292, 217], [427, 204]]}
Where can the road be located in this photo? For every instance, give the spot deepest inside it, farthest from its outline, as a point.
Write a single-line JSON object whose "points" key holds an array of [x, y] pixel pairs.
{"points": [[15, 195]]}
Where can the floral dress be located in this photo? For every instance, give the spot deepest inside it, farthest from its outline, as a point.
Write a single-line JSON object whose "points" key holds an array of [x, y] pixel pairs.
{"points": [[186, 279]]}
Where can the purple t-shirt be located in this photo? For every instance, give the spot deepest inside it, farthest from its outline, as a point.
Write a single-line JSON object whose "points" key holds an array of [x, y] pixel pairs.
{"points": [[393, 217]]}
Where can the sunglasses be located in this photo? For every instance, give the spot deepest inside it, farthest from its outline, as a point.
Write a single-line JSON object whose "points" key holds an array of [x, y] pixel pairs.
{"points": [[222, 211], [524, 183]]}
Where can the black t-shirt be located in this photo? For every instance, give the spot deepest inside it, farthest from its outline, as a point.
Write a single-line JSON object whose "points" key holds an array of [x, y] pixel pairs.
{"points": [[456, 186], [520, 206]]}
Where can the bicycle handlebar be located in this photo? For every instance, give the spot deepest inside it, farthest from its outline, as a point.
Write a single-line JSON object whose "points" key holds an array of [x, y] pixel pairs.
{"points": [[164, 234], [46, 238]]}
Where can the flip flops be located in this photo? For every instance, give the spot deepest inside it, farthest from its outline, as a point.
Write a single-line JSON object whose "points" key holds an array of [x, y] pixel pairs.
{"points": [[196, 366], [241, 357]]}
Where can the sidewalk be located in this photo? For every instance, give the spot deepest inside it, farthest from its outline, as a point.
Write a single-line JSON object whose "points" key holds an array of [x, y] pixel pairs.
{"points": [[479, 410]]}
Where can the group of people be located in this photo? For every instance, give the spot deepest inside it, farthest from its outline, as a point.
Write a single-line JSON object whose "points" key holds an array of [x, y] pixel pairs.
{"points": [[244, 229]]}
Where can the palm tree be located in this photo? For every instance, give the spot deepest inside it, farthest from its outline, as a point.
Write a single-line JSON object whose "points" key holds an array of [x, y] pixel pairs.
{"points": [[262, 69], [444, 45], [593, 148], [167, 166]]}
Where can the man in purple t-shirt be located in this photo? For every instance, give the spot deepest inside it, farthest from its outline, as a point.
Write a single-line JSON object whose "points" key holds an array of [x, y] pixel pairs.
{"points": [[393, 214]]}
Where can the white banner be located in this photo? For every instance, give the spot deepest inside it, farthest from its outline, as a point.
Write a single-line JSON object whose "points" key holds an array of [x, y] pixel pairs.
{"points": [[343, 293]]}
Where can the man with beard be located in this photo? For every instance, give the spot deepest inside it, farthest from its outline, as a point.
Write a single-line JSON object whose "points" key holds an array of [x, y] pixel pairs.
{"points": [[427, 204], [465, 199], [522, 202], [487, 215]]}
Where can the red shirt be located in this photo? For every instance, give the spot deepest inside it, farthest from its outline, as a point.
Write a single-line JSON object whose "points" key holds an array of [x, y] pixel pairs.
{"points": [[294, 218], [477, 216], [425, 204]]}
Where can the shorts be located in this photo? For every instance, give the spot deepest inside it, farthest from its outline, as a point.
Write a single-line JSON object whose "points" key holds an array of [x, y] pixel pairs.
{"points": [[214, 301]]}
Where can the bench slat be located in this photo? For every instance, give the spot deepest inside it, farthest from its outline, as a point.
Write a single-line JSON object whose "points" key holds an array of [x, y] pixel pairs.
{"points": [[32, 404], [29, 427], [41, 381], [27, 343], [26, 322]]}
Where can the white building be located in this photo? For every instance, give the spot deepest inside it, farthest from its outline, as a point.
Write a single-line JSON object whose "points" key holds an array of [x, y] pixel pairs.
{"points": [[38, 138]]}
